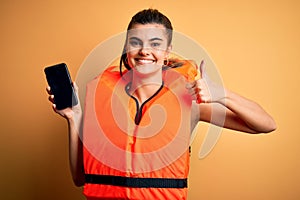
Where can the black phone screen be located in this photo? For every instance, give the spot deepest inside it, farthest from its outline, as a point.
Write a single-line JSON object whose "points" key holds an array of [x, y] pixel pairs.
{"points": [[60, 82]]}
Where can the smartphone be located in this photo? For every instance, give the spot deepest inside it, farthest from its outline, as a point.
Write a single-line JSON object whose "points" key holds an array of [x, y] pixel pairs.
{"points": [[60, 82]]}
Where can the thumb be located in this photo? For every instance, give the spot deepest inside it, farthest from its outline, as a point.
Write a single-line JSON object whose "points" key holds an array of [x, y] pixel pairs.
{"points": [[75, 86], [202, 69]]}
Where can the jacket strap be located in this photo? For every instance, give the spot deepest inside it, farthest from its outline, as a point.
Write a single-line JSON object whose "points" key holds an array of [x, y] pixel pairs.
{"points": [[136, 182]]}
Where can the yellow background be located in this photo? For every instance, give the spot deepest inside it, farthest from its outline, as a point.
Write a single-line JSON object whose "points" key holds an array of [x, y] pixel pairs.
{"points": [[254, 44]]}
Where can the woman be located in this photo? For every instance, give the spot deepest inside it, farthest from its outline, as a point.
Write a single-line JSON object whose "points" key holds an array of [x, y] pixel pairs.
{"points": [[137, 121]]}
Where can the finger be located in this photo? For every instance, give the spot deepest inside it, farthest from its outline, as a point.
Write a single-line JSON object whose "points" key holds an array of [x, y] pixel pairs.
{"points": [[190, 85], [54, 107], [75, 87], [48, 89], [199, 98], [194, 92], [51, 98], [202, 97], [202, 69]]}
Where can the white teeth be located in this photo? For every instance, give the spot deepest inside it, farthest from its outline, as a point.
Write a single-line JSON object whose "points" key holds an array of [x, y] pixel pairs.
{"points": [[145, 61]]}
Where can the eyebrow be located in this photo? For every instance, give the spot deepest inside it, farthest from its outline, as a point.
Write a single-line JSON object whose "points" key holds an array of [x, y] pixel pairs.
{"points": [[152, 39]]}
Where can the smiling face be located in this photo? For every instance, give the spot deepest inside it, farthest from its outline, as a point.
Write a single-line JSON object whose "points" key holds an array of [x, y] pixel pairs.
{"points": [[147, 48]]}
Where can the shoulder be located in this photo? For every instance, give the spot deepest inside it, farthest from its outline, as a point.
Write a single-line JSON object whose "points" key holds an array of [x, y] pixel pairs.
{"points": [[186, 68], [109, 75]]}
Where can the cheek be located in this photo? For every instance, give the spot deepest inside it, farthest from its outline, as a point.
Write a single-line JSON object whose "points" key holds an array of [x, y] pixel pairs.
{"points": [[131, 52], [161, 55], [130, 59]]}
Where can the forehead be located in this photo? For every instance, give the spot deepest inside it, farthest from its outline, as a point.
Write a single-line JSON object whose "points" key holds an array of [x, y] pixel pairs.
{"points": [[148, 31]]}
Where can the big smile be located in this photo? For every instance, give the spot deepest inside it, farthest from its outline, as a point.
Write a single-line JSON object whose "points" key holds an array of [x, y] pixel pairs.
{"points": [[143, 61]]}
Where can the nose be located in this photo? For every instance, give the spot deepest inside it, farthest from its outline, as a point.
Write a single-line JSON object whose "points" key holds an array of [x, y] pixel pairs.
{"points": [[144, 51]]}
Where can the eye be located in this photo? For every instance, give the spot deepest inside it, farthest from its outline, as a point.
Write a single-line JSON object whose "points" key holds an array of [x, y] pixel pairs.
{"points": [[155, 44], [135, 43]]}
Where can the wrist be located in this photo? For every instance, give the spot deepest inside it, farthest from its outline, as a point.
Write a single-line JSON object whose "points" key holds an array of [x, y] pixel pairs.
{"points": [[72, 114], [70, 119], [224, 97]]}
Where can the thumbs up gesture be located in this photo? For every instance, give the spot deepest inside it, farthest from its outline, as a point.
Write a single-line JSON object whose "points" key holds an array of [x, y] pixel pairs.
{"points": [[204, 90]]}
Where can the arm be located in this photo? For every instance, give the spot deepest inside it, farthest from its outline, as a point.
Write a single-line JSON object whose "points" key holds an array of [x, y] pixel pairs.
{"points": [[225, 108], [238, 114], [75, 152], [74, 118]]}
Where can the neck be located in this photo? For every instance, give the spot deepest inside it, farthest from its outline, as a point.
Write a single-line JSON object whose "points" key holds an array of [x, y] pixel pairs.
{"points": [[144, 87]]}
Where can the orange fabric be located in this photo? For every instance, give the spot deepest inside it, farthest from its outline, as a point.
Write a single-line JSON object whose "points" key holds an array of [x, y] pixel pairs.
{"points": [[115, 145], [188, 68]]}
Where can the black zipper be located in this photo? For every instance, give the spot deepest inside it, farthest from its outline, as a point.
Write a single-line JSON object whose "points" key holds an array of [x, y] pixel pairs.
{"points": [[139, 110]]}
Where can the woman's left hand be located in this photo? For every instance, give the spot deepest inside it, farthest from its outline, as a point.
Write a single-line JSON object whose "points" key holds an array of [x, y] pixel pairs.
{"points": [[204, 90], [237, 112]]}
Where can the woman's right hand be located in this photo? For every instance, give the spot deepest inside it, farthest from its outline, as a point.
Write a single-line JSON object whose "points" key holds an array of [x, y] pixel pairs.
{"points": [[74, 119], [67, 113]]}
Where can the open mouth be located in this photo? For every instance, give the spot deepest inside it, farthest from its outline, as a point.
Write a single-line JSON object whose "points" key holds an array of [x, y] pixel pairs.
{"points": [[143, 61]]}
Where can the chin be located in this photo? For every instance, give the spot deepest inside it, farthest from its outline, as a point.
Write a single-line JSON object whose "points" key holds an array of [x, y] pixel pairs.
{"points": [[147, 69]]}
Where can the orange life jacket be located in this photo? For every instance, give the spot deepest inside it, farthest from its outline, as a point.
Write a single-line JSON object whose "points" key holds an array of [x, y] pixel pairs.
{"points": [[132, 151]]}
